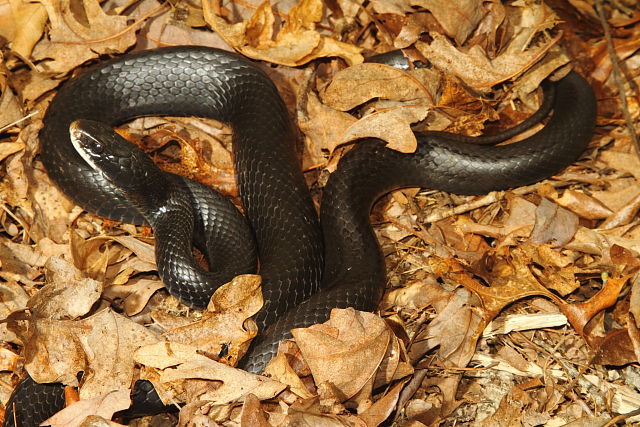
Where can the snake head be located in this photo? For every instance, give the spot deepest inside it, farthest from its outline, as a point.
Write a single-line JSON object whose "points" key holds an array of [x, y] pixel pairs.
{"points": [[120, 162]]}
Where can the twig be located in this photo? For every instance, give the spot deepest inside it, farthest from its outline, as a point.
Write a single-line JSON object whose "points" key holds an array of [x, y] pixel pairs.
{"points": [[120, 33], [615, 420], [617, 76], [33, 113]]}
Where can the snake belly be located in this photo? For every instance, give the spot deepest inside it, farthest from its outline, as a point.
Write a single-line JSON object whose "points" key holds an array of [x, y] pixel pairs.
{"points": [[301, 281]]}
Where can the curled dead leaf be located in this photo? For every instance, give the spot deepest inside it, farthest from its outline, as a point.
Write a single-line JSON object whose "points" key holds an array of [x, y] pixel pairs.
{"points": [[583, 205], [29, 22], [280, 370], [178, 362], [73, 41], [68, 295], [360, 83], [392, 125], [474, 68], [295, 44], [346, 351], [458, 18], [227, 323], [554, 224], [102, 346], [103, 407], [579, 314]]}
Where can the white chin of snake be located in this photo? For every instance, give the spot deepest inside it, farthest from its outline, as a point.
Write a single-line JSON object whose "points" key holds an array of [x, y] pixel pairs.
{"points": [[76, 136]]}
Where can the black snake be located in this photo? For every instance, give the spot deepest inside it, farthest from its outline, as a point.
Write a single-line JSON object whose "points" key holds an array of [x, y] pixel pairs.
{"points": [[302, 280]]}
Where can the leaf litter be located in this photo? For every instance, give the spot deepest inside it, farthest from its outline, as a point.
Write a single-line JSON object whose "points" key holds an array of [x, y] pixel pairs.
{"points": [[517, 307]]}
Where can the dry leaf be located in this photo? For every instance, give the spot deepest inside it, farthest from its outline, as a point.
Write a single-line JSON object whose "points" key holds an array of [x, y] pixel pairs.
{"points": [[180, 361], [10, 112], [103, 406], [360, 83], [226, 322], [554, 224], [346, 350], [579, 314], [583, 205], [74, 41], [451, 329], [392, 125], [634, 303], [382, 408], [473, 67], [67, 295], [102, 346], [29, 21], [134, 295], [320, 136], [252, 413], [458, 18], [279, 369], [625, 162], [624, 215], [295, 44]]}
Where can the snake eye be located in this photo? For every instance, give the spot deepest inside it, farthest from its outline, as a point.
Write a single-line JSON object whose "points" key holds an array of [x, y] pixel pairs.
{"points": [[97, 147]]}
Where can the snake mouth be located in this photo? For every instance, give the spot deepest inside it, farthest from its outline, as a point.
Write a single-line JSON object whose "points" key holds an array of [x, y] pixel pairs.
{"points": [[85, 143]]}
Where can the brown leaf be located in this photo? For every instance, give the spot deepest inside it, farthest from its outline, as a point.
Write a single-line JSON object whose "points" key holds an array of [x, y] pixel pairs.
{"points": [[634, 301], [144, 251], [88, 257], [320, 136], [399, 7], [625, 162], [10, 112], [179, 362], [458, 18], [623, 216], [579, 314], [474, 68], [510, 279], [346, 350], [225, 323], [279, 369], [73, 41], [54, 210], [29, 22], [554, 224], [304, 418], [102, 346], [103, 406], [383, 407], [394, 365], [583, 205], [358, 84], [415, 294], [8, 359], [252, 413], [7, 21], [392, 125], [295, 44], [616, 348], [112, 339], [68, 295], [455, 329], [8, 148], [618, 193], [135, 295]]}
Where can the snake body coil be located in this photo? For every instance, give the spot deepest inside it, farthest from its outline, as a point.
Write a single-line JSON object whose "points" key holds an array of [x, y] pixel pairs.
{"points": [[197, 81]]}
